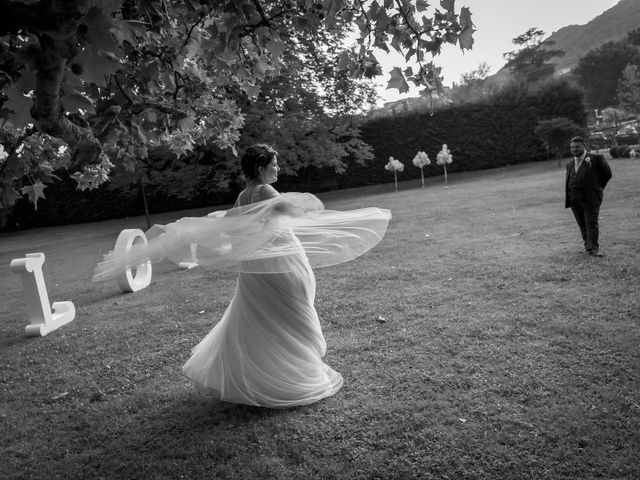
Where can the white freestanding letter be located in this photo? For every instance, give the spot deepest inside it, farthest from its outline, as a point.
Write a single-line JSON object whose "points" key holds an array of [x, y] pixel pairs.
{"points": [[42, 319], [194, 263], [127, 281]]}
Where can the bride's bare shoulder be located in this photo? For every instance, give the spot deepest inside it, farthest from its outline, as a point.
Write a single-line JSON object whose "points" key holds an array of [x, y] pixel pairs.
{"points": [[267, 192]]}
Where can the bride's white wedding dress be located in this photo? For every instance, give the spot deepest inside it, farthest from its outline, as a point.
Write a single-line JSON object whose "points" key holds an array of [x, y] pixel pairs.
{"points": [[267, 350], [268, 347]]}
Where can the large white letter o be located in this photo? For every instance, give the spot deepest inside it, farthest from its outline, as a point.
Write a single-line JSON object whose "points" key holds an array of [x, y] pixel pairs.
{"points": [[134, 277]]}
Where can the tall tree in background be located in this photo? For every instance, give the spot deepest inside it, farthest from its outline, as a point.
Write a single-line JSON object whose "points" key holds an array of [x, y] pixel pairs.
{"points": [[556, 133], [600, 70], [308, 111], [530, 63], [89, 84], [473, 85], [629, 89]]}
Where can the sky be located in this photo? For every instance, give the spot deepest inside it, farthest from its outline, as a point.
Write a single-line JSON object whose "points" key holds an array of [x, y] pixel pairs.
{"points": [[497, 23]]}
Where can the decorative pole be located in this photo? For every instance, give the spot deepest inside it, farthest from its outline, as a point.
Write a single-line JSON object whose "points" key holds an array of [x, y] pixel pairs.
{"points": [[420, 160], [444, 157], [394, 166]]}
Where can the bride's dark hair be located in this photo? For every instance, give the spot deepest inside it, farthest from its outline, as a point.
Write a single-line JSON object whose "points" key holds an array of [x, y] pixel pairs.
{"points": [[255, 156]]}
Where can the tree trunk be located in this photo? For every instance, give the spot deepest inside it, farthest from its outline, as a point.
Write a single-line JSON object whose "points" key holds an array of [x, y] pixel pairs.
{"points": [[48, 111], [146, 205]]}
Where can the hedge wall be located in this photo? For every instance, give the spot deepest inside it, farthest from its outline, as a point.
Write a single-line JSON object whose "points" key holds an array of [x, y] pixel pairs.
{"points": [[64, 205], [495, 132]]}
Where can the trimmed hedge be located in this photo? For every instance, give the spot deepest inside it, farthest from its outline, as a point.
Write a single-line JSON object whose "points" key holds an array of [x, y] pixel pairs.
{"points": [[497, 132], [624, 151], [65, 205]]}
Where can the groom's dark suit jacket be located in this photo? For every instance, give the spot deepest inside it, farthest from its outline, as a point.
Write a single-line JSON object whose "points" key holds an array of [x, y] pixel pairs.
{"points": [[588, 182]]}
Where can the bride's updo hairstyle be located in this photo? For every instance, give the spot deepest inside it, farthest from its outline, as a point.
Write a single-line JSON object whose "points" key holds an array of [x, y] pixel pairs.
{"points": [[259, 155]]}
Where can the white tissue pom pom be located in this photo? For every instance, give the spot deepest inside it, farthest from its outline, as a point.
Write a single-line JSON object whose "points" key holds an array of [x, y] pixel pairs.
{"points": [[394, 165], [421, 159], [444, 156]]}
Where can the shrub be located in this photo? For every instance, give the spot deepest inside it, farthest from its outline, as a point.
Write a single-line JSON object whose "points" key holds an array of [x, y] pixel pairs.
{"points": [[613, 151]]}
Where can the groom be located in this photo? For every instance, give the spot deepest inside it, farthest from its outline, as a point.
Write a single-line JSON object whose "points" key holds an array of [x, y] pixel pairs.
{"points": [[587, 175]]}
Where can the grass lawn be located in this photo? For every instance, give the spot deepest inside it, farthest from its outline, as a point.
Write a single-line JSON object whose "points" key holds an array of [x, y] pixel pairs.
{"points": [[504, 353]]}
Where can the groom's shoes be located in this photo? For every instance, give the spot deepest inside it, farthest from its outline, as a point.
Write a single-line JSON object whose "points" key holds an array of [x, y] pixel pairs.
{"points": [[596, 253]]}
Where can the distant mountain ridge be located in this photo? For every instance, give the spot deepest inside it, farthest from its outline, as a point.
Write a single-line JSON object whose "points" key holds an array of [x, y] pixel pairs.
{"points": [[610, 26], [577, 40]]}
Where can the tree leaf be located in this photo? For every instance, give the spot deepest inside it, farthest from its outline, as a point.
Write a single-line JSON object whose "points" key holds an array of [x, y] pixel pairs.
{"points": [[18, 102], [422, 5], [262, 65], [74, 101], [97, 66], [20, 105], [448, 5], [395, 43], [34, 192], [410, 53], [344, 60], [332, 8], [8, 195], [276, 48], [252, 91], [99, 27], [140, 137], [398, 81], [129, 31], [186, 123], [466, 36]]}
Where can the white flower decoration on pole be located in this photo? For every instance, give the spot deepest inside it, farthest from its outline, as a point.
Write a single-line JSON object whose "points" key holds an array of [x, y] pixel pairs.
{"points": [[420, 160], [3, 153], [394, 166], [444, 157]]}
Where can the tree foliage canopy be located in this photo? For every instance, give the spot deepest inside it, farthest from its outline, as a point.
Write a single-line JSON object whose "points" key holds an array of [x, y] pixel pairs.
{"points": [[89, 84], [600, 70], [473, 85], [629, 89], [530, 63], [556, 133], [307, 111]]}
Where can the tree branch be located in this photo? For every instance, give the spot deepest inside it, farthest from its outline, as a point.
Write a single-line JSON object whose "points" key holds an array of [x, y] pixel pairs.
{"points": [[260, 9], [367, 20], [405, 16], [186, 40], [122, 89], [137, 108]]}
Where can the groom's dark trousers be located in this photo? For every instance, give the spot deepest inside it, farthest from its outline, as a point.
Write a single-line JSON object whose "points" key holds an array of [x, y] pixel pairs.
{"points": [[583, 194]]}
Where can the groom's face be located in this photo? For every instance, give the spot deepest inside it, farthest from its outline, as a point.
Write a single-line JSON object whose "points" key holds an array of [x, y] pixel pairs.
{"points": [[576, 149]]}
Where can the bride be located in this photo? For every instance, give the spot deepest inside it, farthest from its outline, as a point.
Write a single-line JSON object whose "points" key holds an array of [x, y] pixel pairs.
{"points": [[268, 347]]}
